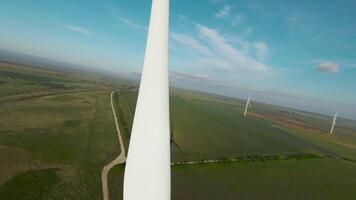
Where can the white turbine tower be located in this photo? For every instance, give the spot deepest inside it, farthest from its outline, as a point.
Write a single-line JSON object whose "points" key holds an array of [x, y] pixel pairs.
{"points": [[147, 173], [247, 105], [333, 125]]}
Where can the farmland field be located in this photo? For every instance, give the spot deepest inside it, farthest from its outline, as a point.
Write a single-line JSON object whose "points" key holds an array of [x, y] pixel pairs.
{"points": [[205, 127], [64, 138], [208, 127], [57, 132]]}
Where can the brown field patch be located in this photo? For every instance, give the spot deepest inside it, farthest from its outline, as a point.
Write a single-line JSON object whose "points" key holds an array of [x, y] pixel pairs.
{"points": [[284, 120]]}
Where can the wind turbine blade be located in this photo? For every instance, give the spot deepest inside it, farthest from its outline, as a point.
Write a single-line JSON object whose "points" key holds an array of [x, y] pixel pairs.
{"points": [[147, 173]]}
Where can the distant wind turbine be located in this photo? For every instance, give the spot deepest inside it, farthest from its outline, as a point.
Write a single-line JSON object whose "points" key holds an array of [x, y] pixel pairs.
{"points": [[247, 105], [147, 172], [333, 125]]}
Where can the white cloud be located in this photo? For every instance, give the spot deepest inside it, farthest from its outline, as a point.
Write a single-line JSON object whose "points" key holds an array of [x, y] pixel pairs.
{"points": [[79, 29], [182, 17], [328, 67], [223, 12], [242, 44], [115, 14], [131, 23], [237, 20], [221, 53], [236, 58], [297, 22], [218, 63], [191, 43], [190, 77], [260, 46], [248, 31], [261, 50]]}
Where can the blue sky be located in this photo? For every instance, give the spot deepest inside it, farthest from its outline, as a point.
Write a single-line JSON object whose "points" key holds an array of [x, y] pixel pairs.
{"points": [[292, 53]]}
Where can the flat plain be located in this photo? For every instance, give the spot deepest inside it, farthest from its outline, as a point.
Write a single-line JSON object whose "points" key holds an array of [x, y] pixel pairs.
{"points": [[57, 132]]}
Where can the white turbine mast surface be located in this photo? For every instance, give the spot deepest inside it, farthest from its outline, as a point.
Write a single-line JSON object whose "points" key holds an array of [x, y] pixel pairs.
{"points": [[333, 125], [147, 173], [247, 105]]}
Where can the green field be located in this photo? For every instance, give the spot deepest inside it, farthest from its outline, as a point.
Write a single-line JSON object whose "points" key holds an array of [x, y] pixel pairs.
{"points": [[299, 179], [57, 132], [209, 127], [71, 131]]}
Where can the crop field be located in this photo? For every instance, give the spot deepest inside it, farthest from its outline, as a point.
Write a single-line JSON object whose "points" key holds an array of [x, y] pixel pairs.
{"points": [[57, 132], [211, 126], [320, 178], [208, 127]]}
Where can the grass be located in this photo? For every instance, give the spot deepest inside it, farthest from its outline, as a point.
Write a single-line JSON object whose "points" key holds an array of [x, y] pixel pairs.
{"points": [[213, 127], [250, 158], [207, 129], [30, 185], [63, 98], [71, 123], [29, 77], [116, 182], [321, 178], [54, 144], [336, 144], [50, 147], [292, 179], [78, 137], [19, 80], [99, 148], [75, 133], [125, 115], [15, 82]]}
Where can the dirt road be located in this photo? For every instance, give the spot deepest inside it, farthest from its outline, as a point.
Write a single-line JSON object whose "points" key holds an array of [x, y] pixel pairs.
{"points": [[119, 160]]}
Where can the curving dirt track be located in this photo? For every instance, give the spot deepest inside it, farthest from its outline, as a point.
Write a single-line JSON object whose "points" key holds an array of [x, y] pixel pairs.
{"points": [[119, 160]]}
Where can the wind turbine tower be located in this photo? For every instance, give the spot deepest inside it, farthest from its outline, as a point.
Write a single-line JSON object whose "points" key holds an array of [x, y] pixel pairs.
{"points": [[333, 125], [147, 172], [247, 105]]}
